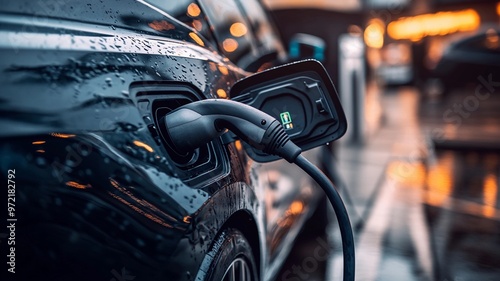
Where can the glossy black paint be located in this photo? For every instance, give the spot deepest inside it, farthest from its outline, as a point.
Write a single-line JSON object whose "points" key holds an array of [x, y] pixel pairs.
{"points": [[96, 194]]}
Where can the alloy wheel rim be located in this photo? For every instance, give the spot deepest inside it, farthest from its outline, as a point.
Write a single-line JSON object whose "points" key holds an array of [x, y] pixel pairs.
{"points": [[239, 270]]}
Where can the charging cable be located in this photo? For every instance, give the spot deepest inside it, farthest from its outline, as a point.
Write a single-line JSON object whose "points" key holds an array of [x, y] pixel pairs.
{"points": [[340, 213], [197, 123]]}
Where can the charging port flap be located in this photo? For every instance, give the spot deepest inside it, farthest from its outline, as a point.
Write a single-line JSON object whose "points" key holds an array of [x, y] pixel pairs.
{"points": [[302, 97]]}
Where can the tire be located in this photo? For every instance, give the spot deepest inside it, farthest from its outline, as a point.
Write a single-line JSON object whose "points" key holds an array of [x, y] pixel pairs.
{"points": [[230, 259]]}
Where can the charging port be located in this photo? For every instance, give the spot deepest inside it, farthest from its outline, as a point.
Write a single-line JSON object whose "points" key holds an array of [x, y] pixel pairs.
{"points": [[197, 168]]}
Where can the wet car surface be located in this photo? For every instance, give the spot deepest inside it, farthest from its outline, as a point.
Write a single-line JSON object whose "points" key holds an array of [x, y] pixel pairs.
{"points": [[99, 194]]}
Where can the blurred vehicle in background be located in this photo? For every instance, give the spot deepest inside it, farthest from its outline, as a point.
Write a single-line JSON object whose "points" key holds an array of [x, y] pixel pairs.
{"points": [[407, 45], [396, 66], [469, 58]]}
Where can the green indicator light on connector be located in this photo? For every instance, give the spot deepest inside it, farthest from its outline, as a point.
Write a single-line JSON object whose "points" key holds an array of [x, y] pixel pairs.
{"points": [[286, 120]]}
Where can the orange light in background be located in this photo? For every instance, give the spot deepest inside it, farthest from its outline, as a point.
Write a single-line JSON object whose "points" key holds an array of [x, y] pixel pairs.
{"points": [[38, 142], [490, 191], [498, 9], [193, 10], [374, 34], [143, 145], [186, 219], [196, 39], [223, 70], [442, 23], [40, 151], [230, 45], [440, 181], [221, 94], [238, 29]]}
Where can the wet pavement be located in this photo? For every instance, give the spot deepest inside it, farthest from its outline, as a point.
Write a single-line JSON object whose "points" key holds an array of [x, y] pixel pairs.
{"points": [[422, 193]]}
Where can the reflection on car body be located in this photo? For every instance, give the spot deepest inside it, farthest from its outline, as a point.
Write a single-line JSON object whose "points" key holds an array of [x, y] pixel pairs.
{"points": [[468, 59]]}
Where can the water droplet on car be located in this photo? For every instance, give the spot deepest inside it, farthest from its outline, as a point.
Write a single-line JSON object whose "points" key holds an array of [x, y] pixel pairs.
{"points": [[109, 81]]}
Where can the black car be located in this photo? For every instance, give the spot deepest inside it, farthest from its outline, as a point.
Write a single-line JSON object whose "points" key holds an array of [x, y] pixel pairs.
{"points": [[95, 190], [470, 60]]}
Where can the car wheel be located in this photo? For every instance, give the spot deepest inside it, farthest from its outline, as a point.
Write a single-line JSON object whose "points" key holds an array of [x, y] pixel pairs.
{"points": [[229, 259]]}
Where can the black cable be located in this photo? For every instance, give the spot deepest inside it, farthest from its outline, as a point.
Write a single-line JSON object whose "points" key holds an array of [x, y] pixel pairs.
{"points": [[197, 123], [333, 174], [340, 212]]}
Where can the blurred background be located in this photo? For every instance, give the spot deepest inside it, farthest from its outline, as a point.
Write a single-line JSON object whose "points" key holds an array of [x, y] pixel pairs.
{"points": [[419, 166]]}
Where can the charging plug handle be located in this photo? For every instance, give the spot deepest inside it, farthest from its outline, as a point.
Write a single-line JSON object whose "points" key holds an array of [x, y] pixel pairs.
{"points": [[198, 123]]}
